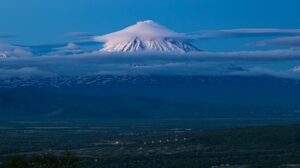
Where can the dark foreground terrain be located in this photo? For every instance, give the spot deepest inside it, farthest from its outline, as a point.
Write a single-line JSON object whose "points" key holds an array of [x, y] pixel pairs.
{"points": [[151, 143]]}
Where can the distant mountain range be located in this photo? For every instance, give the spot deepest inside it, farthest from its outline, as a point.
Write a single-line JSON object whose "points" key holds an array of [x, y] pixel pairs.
{"points": [[102, 97]]}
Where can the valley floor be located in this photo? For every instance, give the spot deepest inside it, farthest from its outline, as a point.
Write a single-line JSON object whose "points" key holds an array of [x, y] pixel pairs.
{"points": [[159, 143]]}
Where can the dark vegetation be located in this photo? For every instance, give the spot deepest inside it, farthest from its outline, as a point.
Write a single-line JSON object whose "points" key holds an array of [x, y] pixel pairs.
{"points": [[145, 144], [42, 161]]}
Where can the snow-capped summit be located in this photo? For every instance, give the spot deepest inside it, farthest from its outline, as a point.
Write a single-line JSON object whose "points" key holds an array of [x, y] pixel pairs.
{"points": [[146, 36]]}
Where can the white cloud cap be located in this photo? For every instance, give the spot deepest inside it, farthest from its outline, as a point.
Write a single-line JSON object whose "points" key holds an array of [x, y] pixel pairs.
{"points": [[146, 36], [144, 30]]}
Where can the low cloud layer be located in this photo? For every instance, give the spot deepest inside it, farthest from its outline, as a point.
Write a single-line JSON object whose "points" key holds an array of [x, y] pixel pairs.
{"points": [[283, 41], [7, 50], [276, 63], [251, 32]]}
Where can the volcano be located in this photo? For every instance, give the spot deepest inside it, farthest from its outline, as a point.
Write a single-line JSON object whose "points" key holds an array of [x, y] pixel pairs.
{"points": [[147, 36]]}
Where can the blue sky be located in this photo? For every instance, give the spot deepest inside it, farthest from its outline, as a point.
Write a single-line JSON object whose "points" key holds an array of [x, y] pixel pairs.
{"points": [[44, 21], [29, 26]]}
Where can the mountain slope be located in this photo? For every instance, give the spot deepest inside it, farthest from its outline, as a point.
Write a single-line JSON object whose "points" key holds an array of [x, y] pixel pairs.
{"points": [[98, 97], [57, 104], [146, 36]]}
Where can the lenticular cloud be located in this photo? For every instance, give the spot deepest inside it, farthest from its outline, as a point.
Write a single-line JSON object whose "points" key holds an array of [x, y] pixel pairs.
{"points": [[146, 36]]}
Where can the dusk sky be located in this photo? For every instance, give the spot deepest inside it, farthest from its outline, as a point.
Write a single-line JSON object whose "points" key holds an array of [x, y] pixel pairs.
{"points": [[42, 21], [149, 83], [234, 36]]}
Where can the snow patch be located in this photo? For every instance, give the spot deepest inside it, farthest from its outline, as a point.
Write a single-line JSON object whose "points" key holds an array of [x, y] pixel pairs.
{"points": [[296, 69]]}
